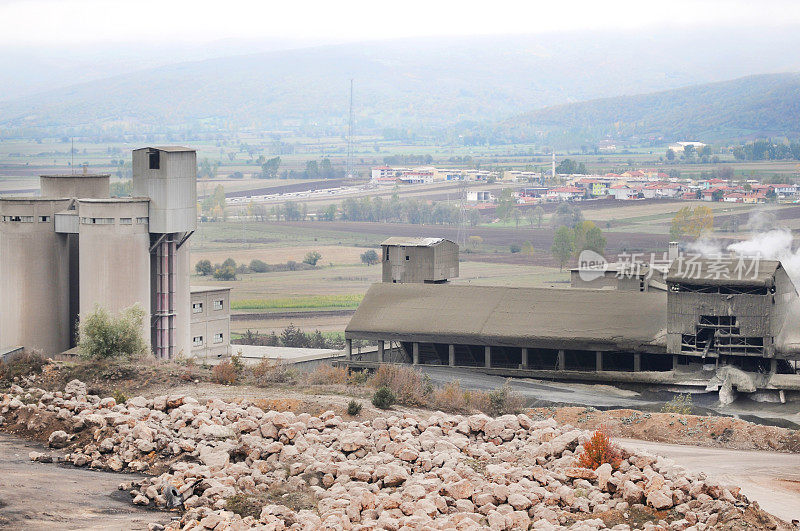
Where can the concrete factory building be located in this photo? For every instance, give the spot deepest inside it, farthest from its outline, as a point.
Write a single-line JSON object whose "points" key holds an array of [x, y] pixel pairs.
{"points": [[75, 248], [427, 260], [731, 312]]}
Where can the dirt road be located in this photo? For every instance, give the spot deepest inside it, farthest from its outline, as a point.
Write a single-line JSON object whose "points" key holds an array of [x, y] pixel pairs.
{"points": [[772, 479], [47, 496]]}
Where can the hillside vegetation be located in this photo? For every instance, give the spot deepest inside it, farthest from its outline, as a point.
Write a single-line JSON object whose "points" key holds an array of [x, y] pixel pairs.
{"points": [[762, 105], [402, 88]]}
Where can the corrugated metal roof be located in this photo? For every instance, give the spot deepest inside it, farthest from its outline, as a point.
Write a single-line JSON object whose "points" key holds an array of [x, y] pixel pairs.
{"points": [[412, 242], [505, 316], [722, 271]]}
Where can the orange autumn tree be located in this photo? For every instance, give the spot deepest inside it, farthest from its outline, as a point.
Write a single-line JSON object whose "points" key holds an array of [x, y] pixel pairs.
{"points": [[598, 450]]}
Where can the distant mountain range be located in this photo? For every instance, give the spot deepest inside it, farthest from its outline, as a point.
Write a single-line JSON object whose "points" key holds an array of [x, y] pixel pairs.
{"points": [[763, 105], [425, 86]]}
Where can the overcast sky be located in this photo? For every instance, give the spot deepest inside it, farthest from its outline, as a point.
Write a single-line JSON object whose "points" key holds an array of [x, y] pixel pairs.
{"points": [[46, 22]]}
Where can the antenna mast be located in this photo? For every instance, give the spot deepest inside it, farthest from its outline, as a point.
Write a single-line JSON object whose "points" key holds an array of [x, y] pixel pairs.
{"points": [[349, 172]]}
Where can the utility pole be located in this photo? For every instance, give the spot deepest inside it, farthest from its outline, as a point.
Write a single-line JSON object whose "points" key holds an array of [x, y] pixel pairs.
{"points": [[350, 169], [461, 237]]}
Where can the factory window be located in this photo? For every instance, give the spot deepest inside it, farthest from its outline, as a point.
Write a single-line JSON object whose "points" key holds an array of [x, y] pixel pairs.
{"points": [[141, 221], [197, 307], [218, 305], [44, 219], [125, 221], [97, 221], [407, 257], [218, 338], [197, 341], [387, 253], [20, 219], [154, 159]]}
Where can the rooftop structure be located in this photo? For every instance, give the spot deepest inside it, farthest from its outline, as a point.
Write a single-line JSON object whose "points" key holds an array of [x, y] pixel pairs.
{"points": [[425, 260]]}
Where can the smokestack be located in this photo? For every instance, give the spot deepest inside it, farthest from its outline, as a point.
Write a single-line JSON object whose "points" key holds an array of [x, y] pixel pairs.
{"points": [[672, 252]]}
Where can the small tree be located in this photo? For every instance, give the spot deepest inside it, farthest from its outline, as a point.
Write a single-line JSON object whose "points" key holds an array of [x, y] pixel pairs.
{"points": [[475, 241], [312, 257], [369, 257], [258, 266], [563, 246], [203, 267], [225, 272], [538, 213], [229, 262], [101, 335]]}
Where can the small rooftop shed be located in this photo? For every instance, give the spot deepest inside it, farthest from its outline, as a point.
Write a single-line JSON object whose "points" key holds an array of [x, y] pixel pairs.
{"points": [[419, 260]]}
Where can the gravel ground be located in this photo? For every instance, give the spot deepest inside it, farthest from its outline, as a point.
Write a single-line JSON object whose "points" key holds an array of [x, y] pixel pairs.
{"points": [[45, 496]]}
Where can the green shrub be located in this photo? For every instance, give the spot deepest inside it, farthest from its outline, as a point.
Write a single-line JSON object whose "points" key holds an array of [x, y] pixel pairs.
{"points": [[119, 397], [681, 404], [353, 407], [383, 398], [102, 336], [515, 248]]}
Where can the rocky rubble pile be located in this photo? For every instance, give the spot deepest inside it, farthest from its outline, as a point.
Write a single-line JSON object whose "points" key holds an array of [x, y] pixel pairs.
{"points": [[397, 472]]}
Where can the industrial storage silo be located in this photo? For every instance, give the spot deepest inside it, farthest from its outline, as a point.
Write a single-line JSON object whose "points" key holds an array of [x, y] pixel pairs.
{"points": [[34, 276], [168, 176], [86, 185], [114, 255]]}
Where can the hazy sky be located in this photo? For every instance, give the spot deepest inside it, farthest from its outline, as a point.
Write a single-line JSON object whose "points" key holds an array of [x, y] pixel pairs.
{"points": [[45, 22]]}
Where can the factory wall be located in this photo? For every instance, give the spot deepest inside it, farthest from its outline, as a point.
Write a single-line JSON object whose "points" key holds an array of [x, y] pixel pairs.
{"points": [[114, 256], [94, 186], [171, 187], [210, 321], [34, 276]]}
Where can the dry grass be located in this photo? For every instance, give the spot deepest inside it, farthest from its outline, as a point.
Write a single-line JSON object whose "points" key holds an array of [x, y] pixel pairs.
{"points": [[410, 386], [225, 373], [451, 398], [268, 372], [327, 375]]}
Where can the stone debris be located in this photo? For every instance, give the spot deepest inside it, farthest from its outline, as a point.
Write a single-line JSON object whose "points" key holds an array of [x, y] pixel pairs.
{"points": [[394, 472]]}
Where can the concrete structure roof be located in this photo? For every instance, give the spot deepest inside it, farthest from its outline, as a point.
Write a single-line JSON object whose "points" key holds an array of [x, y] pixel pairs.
{"points": [[723, 271], [506, 316], [412, 242], [172, 149], [204, 289], [74, 175]]}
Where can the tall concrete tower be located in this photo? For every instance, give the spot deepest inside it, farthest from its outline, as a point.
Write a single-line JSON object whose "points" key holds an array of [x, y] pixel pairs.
{"points": [[168, 176]]}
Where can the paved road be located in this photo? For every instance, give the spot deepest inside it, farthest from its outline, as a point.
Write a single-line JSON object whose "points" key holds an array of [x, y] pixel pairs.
{"points": [[772, 479], [46, 496], [545, 393]]}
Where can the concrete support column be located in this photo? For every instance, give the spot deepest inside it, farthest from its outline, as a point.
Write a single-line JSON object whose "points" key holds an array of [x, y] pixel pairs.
{"points": [[451, 350], [487, 356], [675, 362], [562, 360], [415, 354], [348, 347], [380, 351], [524, 358], [637, 362], [598, 361], [773, 366]]}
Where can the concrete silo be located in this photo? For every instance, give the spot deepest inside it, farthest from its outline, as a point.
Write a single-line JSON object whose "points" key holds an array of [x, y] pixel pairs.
{"points": [[114, 255], [168, 176], [87, 185], [34, 276]]}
